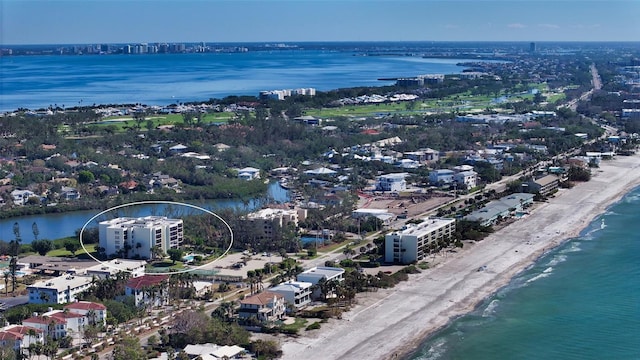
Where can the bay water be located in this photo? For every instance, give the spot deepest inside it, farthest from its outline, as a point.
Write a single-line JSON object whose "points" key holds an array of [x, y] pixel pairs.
{"points": [[38, 81], [579, 301]]}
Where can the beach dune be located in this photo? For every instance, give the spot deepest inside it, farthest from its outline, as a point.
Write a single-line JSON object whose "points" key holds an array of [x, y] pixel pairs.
{"points": [[390, 323]]}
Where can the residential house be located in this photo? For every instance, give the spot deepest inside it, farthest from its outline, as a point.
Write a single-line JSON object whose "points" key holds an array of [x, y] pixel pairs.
{"points": [[392, 182], [149, 290], [214, 352], [249, 173], [20, 197], [321, 273], [69, 193], [296, 293], [414, 242], [54, 327], [264, 306], [59, 290], [178, 149], [441, 177], [466, 180], [20, 336], [94, 312], [423, 155], [72, 323]]}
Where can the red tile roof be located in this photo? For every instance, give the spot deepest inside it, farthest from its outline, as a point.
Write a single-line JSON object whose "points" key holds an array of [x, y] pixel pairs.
{"points": [[144, 281], [262, 298], [21, 329], [43, 320], [63, 316], [85, 305], [6, 335]]}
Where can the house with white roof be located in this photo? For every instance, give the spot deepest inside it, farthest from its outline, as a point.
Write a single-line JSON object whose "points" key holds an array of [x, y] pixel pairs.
{"points": [[249, 173], [296, 293], [321, 171], [392, 182], [466, 179], [20, 197], [213, 351], [441, 177], [109, 269], [318, 274]]}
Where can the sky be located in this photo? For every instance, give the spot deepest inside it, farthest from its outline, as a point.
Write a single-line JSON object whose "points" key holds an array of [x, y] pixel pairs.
{"points": [[218, 21]]}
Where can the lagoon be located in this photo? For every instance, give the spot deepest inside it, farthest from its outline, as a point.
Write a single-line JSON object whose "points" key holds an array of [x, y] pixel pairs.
{"points": [[60, 225]]}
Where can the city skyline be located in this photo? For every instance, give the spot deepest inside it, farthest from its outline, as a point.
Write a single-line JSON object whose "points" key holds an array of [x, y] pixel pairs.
{"points": [[101, 21]]}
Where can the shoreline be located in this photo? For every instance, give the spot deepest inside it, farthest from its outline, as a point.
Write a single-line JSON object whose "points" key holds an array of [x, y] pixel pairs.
{"points": [[393, 323]]}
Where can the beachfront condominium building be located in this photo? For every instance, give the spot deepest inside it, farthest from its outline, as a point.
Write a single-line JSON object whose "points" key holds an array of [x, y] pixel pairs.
{"points": [[266, 222], [414, 241], [137, 237]]}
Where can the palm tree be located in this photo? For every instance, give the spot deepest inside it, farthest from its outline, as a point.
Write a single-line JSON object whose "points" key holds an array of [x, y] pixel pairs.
{"points": [[6, 282]]}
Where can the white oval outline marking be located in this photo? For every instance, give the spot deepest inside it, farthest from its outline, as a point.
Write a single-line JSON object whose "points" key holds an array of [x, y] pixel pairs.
{"points": [[157, 202]]}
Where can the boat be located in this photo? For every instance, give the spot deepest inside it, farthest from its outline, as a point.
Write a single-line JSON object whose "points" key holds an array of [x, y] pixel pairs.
{"points": [[284, 183]]}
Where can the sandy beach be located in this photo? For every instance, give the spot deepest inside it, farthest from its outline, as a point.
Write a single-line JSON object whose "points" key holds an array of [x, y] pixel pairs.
{"points": [[389, 323]]}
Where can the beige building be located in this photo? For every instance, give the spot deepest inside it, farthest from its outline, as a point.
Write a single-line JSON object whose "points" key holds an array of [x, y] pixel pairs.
{"points": [[412, 243], [266, 220], [264, 306]]}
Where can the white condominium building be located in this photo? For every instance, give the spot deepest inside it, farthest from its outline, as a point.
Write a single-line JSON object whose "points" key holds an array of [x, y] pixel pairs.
{"points": [[129, 237], [412, 243]]}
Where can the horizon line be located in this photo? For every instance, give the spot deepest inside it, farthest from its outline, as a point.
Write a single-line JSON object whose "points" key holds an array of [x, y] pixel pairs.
{"points": [[331, 41]]}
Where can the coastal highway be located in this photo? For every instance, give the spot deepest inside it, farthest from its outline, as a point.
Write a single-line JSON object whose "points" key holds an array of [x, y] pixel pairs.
{"points": [[596, 84]]}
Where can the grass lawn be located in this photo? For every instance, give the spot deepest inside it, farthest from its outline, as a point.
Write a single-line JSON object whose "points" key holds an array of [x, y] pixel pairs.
{"points": [[328, 248], [297, 325], [80, 253]]}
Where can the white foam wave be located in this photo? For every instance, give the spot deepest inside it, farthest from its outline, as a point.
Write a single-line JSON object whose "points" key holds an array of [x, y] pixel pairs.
{"points": [[575, 247], [436, 350], [632, 198], [544, 274], [557, 259], [491, 308]]}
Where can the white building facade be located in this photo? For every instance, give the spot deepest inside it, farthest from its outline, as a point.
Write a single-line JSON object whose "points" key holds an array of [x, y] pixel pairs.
{"points": [[392, 182], [128, 237], [412, 244], [60, 290], [296, 293]]}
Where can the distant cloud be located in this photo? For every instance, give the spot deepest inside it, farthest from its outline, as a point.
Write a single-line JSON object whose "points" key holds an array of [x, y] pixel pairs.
{"points": [[517, 26], [549, 26]]}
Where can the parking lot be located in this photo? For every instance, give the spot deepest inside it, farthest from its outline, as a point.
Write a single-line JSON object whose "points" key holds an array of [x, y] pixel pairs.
{"points": [[225, 265]]}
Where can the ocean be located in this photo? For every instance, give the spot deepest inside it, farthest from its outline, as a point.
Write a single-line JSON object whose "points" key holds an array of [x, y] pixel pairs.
{"points": [[579, 301], [35, 82]]}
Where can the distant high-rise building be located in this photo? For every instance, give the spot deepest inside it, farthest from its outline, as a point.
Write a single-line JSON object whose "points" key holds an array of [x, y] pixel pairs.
{"points": [[532, 47]]}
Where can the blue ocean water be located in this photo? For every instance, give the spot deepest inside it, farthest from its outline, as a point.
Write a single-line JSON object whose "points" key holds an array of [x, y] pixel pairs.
{"points": [[35, 82], [580, 301]]}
